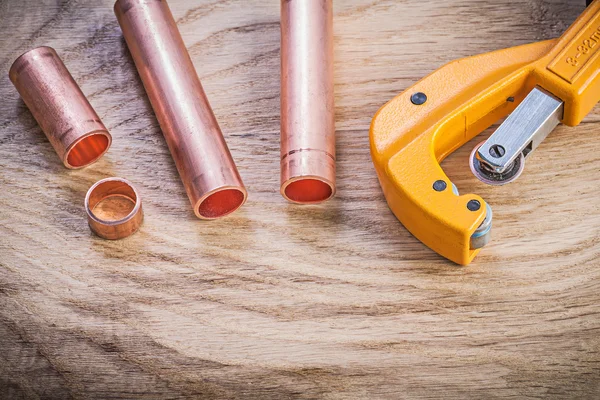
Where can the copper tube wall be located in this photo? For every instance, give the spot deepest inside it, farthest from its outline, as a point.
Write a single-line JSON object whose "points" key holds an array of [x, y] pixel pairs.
{"points": [[189, 126], [60, 108], [307, 102]]}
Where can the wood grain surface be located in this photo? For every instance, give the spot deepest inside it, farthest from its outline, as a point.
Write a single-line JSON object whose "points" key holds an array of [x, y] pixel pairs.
{"points": [[278, 301]]}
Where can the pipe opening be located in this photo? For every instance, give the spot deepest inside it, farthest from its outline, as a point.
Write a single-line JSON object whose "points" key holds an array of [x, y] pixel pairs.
{"points": [[221, 203], [88, 150], [112, 200], [308, 190]]}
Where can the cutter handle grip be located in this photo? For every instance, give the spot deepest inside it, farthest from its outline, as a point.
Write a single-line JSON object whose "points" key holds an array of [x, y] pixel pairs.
{"points": [[571, 71]]}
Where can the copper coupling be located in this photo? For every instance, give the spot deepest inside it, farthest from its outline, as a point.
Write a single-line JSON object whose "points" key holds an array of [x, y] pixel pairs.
{"points": [[114, 208], [205, 165], [70, 123], [307, 101]]}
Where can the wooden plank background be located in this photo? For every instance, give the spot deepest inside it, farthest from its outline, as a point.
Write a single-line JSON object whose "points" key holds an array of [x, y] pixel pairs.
{"points": [[278, 301]]}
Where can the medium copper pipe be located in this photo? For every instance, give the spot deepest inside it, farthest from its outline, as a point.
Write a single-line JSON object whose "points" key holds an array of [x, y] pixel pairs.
{"points": [[210, 177], [307, 102], [60, 108]]}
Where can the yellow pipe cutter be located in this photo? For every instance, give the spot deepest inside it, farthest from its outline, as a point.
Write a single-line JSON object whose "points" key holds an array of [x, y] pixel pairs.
{"points": [[541, 84]]}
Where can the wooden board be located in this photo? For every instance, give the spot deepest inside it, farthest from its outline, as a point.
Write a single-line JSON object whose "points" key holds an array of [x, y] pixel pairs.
{"points": [[278, 301]]}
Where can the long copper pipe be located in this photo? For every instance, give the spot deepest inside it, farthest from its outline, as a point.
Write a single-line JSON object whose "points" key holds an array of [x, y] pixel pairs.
{"points": [[307, 102], [59, 106], [189, 126]]}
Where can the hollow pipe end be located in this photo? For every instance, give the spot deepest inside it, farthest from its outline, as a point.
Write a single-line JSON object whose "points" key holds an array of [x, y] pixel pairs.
{"points": [[308, 189], [87, 149], [220, 202], [308, 176]]}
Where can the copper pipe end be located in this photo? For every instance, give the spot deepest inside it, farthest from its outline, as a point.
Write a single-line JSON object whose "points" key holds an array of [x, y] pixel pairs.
{"points": [[60, 108], [114, 208], [308, 189], [307, 101], [220, 202], [204, 163]]}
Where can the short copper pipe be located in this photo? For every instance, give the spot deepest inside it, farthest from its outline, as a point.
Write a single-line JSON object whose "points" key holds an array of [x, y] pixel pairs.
{"points": [[189, 126], [60, 108], [307, 102], [114, 208]]}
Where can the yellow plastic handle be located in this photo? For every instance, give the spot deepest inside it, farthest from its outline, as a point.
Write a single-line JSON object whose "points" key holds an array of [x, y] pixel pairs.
{"points": [[571, 70]]}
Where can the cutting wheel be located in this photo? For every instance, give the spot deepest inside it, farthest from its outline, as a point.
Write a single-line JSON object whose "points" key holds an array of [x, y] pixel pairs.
{"points": [[490, 177]]}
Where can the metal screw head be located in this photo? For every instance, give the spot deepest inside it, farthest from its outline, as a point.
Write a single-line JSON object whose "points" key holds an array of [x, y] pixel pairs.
{"points": [[497, 151], [439, 186], [418, 98], [488, 175], [473, 205]]}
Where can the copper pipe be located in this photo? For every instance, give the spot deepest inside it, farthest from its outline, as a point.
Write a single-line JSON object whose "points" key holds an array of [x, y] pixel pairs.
{"points": [[60, 108], [114, 208], [307, 103], [189, 126]]}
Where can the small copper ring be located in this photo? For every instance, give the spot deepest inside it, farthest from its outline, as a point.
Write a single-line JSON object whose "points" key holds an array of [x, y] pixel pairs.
{"points": [[109, 223]]}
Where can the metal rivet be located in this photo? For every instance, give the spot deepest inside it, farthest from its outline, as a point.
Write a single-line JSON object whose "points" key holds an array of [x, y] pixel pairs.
{"points": [[418, 98], [497, 151], [511, 99], [439, 186], [473, 205]]}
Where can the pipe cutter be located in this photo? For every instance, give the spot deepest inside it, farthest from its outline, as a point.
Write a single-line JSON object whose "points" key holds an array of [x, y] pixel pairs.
{"points": [[540, 85]]}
